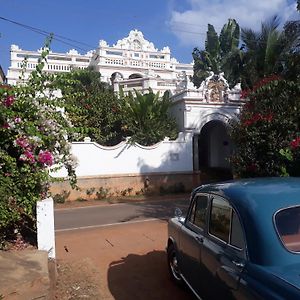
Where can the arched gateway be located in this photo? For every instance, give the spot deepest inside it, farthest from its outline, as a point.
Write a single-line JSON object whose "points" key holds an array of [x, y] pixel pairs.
{"points": [[206, 113]]}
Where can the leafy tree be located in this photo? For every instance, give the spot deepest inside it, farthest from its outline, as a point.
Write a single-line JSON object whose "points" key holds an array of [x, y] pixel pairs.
{"points": [[91, 105], [219, 53], [146, 117], [268, 126]]}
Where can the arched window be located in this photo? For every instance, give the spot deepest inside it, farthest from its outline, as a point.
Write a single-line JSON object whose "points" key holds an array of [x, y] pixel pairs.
{"points": [[135, 75]]}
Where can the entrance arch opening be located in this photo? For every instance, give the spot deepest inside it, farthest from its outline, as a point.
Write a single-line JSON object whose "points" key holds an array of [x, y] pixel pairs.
{"points": [[213, 147]]}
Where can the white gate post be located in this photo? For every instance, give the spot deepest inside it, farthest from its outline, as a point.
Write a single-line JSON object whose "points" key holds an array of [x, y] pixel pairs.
{"points": [[45, 226]]}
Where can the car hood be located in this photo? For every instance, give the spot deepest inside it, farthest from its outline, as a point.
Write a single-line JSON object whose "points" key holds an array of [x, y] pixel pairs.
{"points": [[289, 273]]}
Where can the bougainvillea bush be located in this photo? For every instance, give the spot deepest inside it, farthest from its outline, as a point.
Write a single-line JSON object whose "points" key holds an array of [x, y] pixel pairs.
{"points": [[267, 133], [33, 133]]}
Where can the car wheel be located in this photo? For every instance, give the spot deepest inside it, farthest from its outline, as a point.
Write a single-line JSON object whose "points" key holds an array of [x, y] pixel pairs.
{"points": [[173, 265]]}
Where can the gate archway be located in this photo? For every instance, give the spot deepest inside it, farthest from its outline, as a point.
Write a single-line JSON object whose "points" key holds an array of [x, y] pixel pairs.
{"points": [[212, 148]]}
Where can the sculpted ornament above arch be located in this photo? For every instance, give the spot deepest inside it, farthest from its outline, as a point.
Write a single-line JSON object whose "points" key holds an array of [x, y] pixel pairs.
{"points": [[215, 88]]}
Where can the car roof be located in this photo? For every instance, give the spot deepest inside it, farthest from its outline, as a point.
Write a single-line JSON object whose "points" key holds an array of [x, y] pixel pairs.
{"points": [[261, 192], [256, 201]]}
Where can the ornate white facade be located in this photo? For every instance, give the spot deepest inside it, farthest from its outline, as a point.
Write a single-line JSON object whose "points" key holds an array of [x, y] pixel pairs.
{"points": [[132, 62]]}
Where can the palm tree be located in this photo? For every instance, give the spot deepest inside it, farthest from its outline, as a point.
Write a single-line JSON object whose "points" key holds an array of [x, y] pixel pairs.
{"points": [[266, 52]]}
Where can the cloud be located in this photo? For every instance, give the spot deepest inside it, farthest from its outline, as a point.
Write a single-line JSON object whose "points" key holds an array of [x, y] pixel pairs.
{"points": [[190, 24]]}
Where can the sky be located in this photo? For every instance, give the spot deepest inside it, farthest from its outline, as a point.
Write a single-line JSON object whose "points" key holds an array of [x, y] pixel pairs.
{"points": [[179, 24]]}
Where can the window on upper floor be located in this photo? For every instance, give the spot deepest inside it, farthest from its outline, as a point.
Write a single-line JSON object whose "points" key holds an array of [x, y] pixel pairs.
{"points": [[156, 56], [62, 58], [119, 53], [82, 59], [28, 56]]}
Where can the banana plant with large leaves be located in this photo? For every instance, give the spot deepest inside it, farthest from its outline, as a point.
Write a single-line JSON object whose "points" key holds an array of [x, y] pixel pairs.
{"points": [[146, 117], [219, 54]]}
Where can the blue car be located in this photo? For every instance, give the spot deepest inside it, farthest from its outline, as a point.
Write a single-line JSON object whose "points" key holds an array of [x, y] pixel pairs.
{"points": [[239, 240]]}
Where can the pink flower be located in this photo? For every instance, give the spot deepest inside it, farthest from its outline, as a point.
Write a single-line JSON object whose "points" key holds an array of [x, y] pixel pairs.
{"points": [[18, 120], [22, 142], [45, 157], [29, 155], [9, 101], [6, 125]]}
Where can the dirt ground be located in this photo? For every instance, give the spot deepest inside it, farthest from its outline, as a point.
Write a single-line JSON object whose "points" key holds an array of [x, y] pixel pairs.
{"points": [[121, 262], [77, 280]]}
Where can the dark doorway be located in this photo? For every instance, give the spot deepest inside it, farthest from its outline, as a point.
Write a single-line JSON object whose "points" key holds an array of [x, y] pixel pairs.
{"points": [[212, 148]]}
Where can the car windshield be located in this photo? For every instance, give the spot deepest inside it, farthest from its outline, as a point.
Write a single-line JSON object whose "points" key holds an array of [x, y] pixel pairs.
{"points": [[288, 226]]}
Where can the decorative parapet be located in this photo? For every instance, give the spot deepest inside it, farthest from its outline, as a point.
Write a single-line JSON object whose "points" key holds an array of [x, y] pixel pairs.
{"points": [[73, 52], [134, 41], [214, 89], [15, 48]]}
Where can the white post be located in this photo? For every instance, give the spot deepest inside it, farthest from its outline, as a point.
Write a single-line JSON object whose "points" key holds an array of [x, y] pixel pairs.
{"points": [[45, 226]]}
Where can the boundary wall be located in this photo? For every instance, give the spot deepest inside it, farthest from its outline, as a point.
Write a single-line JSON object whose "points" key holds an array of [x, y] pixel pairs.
{"points": [[130, 169]]}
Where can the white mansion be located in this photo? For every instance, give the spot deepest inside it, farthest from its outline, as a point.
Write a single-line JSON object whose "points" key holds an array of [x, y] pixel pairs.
{"points": [[133, 60], [135, 63]]}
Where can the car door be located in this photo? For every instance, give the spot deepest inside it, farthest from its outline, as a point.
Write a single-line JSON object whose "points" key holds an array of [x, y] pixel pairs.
{"points": [[223, 252], [192, 239]]}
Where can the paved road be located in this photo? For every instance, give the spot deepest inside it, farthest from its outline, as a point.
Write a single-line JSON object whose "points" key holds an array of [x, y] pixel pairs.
{"points": [[88, 217]]}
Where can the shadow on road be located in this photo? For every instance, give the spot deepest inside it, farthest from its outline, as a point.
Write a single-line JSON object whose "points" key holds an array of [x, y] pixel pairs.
{"points": [[144, 277], [162, 209]]}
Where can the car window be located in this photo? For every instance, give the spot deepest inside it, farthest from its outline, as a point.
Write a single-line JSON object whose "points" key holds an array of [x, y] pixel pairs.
{"points": [[219, 224], [237, 235], [224, 223], [287, 222], [198, 212]]}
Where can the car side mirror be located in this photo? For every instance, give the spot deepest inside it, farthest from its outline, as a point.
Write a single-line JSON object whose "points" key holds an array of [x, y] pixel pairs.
{"points": [[178, 213]]}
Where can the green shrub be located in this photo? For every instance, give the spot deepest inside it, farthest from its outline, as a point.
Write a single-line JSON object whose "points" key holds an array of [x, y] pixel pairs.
{"points": [[102, 193], [62, 197]]}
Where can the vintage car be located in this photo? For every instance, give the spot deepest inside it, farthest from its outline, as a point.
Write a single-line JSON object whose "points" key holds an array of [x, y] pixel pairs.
{"points": [[239, 240]]}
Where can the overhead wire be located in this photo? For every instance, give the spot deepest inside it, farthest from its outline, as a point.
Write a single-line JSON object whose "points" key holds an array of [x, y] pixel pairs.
{"points": [[56, 37], [70, 42]]}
